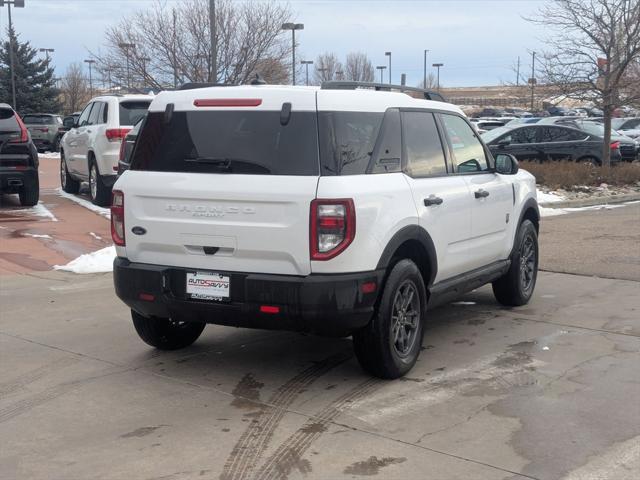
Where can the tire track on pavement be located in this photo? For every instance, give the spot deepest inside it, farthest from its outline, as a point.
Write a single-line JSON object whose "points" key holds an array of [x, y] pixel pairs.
{"points": [[25, 379], [254, 440]]}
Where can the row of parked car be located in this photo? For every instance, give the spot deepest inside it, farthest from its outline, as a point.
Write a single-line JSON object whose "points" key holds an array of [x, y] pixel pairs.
{"points": [[553, 111]]}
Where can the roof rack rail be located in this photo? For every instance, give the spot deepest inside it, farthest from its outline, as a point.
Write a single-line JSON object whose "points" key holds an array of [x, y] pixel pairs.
{"points": [[385, 87], [194, 85]]}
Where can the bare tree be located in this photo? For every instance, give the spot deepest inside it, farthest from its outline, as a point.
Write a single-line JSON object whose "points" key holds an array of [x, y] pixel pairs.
{"points": [[74, 89], [432, 82], [169, 44], [326, 67], [595, 44], [358, 67]]}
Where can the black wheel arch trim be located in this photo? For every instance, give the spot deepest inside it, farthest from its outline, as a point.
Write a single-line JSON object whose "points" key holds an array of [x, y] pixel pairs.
{"points": [[531, 203], [411, 232]]}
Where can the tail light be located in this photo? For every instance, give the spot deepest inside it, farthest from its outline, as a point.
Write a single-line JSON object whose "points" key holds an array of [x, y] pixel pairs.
{"points": [[44, 129], [333, 227], [117, 218], [116, 134], [615, 145], [24, 133]]}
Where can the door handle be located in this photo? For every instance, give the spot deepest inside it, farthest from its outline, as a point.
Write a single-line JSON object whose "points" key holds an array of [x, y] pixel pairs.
{"points": [[432, 200], [481, 193]]}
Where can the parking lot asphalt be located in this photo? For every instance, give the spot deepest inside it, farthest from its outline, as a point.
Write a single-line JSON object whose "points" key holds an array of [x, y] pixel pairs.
{"points": [[544, 391]]}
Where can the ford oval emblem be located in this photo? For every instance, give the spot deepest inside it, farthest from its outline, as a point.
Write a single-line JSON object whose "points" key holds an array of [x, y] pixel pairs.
{"points": [[139, 230]]}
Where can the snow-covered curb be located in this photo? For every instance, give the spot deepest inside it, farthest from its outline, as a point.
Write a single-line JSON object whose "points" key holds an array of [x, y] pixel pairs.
{"points": [[554, 212], [39, 211], [100, 261], [105, 212]]}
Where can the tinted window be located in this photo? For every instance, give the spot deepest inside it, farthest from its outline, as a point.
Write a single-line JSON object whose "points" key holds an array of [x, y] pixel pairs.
{"points": [[388, 150], [84, 116], [422, 145], [131, 112], [631, 124], [8, 122], [95, 113], [238, 142], [38, 119], [105, 112], [522, 135], [468, 152], [559, 134], [347, 140]]}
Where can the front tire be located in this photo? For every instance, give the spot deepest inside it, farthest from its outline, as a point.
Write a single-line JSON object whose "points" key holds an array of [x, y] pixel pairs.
{"points": [[515, 287], [389, 346], [67, 182], [30, 192], [164, 333], [100, 194]]}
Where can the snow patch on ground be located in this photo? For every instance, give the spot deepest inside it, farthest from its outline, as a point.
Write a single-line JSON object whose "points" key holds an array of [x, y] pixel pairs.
{"points": [[35, 235], [549, 197], [552, 212], [55, 155], [463, 303], [39, 211], [105, 212], [97, 237], [95, 262]]}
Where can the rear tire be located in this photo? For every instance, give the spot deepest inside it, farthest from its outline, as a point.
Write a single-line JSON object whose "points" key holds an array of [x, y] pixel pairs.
{"points": [[100, 194], [515, 287], [30, 192], [67, 182], [389, 346], [164, 333]]}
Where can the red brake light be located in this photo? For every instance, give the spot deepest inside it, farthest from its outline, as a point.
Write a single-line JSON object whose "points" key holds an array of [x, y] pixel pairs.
{"points": [[332, 227], [44, 129], [116, 134], [615, 145], [269, 309], [117, 218], [24, 133], [227, 102]]}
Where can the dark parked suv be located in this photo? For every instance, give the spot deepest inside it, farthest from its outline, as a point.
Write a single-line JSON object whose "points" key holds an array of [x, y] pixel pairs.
{"points": [[549, 142], [18, 158]]}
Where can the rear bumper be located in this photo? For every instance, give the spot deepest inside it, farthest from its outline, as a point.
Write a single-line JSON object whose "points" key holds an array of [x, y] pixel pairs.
{"points": [[331, 305], [12, 180]]}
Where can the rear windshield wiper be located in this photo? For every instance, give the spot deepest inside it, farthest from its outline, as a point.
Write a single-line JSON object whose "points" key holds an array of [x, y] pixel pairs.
{"points": [[216, 162], [232, 165]]}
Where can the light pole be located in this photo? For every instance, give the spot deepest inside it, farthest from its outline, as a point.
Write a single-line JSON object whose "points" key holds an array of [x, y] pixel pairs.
{"points": [[17, 4], [213, 76], [126, 46], [144, 61], [424, 79], [388, 54], [47, 51], [438, 65], [306, 64], [532, 80], [381, 68], [293, 27], [90, 62]]}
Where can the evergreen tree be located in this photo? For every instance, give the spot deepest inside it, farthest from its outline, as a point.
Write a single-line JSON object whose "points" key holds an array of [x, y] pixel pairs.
{"points": [[35, 83]]}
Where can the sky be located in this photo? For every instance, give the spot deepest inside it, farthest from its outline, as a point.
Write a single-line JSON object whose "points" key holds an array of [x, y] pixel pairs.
{"points": [[478, 41]]}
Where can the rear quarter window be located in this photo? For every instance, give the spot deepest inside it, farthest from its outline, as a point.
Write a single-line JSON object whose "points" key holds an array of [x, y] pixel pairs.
{"points": [[132, 111], [8, 122]]}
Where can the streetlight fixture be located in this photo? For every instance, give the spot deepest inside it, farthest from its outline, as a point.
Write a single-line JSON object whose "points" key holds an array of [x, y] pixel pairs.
{"points": [[90, 62], [293, 27], [438, 65], [424, 79], [126, 46], [17, 4], [144, 60], [306, 64], [322, 71], [47, 51], [388, 54], [381, 68], [339, 75]]}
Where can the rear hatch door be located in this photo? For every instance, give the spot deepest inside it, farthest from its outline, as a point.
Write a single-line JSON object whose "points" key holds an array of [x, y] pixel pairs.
{"points": [[224, 188]]}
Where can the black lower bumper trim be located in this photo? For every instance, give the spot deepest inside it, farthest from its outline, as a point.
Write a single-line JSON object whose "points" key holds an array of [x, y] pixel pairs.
{"points": [[332, 305]]}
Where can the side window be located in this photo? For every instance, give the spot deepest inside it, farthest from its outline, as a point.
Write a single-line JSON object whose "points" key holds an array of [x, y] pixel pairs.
{"points": [[523, 135], [422, 145], [95, 114], [559, 134], [84, 116], [105, 112], [387, 153], [468, 152]]}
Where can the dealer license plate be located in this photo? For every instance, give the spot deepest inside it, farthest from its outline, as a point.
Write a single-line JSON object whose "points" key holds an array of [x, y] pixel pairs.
{"points": [[208, 286]]}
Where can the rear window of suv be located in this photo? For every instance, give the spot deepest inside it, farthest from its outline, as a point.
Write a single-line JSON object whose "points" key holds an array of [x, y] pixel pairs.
{"points": [[234, 142], [131, 112], [38, 119], [8, 122]]}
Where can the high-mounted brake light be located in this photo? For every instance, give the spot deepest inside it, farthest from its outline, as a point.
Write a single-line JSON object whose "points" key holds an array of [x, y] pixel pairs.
{"points": [[117, 218], [116, 134], [227, 102], [332, 227], [24, 133]]}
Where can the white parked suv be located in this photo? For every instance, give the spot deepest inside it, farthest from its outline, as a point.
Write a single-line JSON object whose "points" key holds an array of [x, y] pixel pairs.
{"points": [[334, 210], [90, 150]]}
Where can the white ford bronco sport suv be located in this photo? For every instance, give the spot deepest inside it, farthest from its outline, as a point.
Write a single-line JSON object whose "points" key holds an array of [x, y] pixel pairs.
{"points": [[89, 151], [334, 210]]}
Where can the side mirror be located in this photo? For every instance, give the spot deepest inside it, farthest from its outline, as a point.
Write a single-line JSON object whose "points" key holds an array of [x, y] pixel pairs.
{"points": [[506, 164]]}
